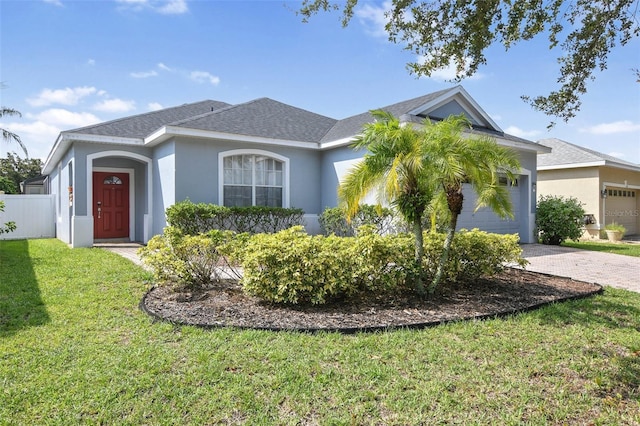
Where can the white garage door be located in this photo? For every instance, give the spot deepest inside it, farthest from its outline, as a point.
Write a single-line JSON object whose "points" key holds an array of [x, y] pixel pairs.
{"points": [[621, 207]]}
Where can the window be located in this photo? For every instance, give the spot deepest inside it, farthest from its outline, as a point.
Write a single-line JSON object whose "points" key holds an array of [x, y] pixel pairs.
{"points": [[253, 180], [112, 180], [504, 181]]}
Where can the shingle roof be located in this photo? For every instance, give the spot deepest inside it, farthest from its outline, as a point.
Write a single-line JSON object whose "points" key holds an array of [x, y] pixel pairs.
{"points": [[565, 153], [351, 126], [266, 118], [141, 125], [261, 117]]}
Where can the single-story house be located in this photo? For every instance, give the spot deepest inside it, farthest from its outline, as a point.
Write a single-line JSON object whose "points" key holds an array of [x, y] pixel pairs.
{"points": [[114, 180], [34, 185], [608, 188]]}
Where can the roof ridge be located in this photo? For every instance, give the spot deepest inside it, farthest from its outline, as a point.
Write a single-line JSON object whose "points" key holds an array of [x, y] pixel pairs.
{"points": [[128, 117], [592, 152], [205, 114]]}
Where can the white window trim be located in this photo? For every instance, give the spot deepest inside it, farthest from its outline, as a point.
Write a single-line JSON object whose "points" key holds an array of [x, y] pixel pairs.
{"points": [[285, 178]]}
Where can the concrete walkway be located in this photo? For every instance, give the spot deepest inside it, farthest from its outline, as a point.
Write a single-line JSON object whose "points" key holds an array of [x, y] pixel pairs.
{"points": [[582, 265]]}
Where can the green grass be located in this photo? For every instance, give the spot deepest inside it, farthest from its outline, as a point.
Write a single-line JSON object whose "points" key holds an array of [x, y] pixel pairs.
{"points": [[75, 349], [616, 248]]}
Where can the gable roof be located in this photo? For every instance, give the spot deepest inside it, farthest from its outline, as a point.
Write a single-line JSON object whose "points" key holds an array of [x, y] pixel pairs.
{"points": [[264, 120], [565, 155]]}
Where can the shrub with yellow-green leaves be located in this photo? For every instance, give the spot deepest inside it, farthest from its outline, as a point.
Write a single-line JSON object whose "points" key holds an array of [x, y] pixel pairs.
{"points": [[187, 261], [474, 253], [292, 267]]}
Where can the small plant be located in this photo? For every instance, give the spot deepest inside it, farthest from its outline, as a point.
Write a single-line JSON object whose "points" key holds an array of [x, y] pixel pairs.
{"points": [[558, 219], [614, 231], [615, 227], [7, 227]]}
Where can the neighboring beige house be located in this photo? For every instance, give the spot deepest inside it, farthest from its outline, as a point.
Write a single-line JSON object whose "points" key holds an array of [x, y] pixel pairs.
{"points": [[608, 188]]}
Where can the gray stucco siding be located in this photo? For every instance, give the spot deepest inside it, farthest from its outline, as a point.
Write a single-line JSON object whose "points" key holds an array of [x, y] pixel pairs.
{"points": [[330, 161], [197, 173], [163, 183]]}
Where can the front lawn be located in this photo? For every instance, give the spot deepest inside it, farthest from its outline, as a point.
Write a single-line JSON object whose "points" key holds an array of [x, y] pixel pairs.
{"points": [[615, 248], [75, 348]]}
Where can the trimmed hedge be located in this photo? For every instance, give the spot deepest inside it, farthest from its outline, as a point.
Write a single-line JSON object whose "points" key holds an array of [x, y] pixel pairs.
{"points": [[293, 267], [193, 219], [333, 221], [185, 261]]}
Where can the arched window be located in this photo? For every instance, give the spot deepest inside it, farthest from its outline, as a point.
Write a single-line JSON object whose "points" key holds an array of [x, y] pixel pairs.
{"points": [[112, 180], [253, 179]]}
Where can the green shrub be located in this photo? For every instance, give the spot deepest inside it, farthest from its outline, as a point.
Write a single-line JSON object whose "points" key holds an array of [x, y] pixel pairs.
{"points": [[185, 261], [292, 267], [474, 254], [333, 220], [558, 219], [381, 263], [199, 218]]}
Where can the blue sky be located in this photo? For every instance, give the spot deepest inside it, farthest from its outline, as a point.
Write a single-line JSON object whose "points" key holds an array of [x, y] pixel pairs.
{"points": [[67, 64]]}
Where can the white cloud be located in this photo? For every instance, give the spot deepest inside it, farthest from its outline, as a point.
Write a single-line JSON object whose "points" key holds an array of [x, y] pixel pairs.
{"points": [[617, 154], [67, 96], [165, 7], [154, 106], [144, 74], [164, 67], [173, 7], [623, 126], [373, 18], [115, 105], [91, 62], [203, 77], [38, 132], [516, 131], [448, 73], [65, 119], [54, 2]]}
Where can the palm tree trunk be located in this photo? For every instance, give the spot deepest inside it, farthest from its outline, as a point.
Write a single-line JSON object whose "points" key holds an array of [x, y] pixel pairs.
{"points": [[419, 254], [445, 253]]}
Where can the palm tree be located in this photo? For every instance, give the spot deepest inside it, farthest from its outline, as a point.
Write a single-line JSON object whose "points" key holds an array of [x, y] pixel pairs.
{"points": [[456, 159], [395, 168], [10, 136]]}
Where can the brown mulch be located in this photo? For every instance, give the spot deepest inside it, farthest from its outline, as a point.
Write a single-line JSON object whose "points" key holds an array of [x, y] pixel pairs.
{"points": [[225, 305]]}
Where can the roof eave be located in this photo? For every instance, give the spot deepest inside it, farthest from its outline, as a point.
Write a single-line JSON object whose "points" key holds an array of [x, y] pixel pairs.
{"points": [[64, 140], [167, 132]]}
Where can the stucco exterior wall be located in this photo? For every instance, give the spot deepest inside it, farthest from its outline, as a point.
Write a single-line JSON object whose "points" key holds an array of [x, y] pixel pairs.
{"points": [[197, 178], [586, 183], [164, 171]]}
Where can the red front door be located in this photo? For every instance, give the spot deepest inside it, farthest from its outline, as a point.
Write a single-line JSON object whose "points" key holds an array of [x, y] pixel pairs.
{"points": [[110, 205]]}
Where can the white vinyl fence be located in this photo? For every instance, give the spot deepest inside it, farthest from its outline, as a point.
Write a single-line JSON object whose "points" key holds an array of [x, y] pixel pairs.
{"points": [[34, 216]]}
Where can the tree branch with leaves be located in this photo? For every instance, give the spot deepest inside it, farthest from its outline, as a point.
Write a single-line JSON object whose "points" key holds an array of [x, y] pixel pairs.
{"points": [[458, 32]]}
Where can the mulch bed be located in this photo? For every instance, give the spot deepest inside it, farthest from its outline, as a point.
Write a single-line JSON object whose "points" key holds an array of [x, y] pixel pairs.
{"points": [[225, 305]]}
